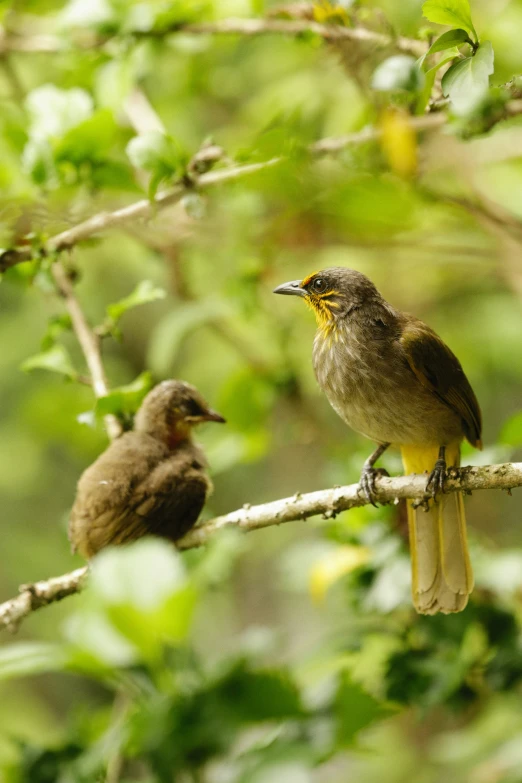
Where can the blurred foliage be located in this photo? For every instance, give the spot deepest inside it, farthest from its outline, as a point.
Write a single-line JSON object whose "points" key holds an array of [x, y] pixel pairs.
{"points": [[292, 654]]}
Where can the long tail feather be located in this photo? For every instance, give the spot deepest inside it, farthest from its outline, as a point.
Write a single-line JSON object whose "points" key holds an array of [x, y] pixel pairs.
{"points": [[442, 578]]}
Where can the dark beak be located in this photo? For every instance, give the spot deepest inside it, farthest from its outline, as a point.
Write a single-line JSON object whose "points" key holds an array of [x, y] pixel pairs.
{"points": [[211, 415], [293, 288]]}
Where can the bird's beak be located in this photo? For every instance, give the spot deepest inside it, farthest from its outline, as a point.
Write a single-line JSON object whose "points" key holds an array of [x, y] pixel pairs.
{"points": [[211, 415], [293, 288]]}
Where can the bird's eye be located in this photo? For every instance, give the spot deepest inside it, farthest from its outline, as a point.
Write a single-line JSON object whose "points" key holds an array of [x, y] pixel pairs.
{"points": [[193, 409], [319, 285]]}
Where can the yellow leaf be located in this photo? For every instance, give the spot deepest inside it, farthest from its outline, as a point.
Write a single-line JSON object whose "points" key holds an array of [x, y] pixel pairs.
{"points": [[336, 564], [327, 13], [399, 142]]}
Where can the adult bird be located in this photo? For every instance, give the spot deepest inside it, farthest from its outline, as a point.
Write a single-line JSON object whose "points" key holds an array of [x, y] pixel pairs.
{"points": [[391, 378], [150, 481]]}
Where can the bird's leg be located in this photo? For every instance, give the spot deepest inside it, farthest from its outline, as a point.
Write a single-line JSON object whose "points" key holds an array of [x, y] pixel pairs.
{"points": [[368, 474], [437, 476]]}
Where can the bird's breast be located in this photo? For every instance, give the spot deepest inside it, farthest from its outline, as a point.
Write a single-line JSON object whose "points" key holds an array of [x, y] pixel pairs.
{"points": [[373, 390]]}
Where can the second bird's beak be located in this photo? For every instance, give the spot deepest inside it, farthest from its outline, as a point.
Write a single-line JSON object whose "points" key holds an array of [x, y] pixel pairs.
{"points": [[211, 415], [293, 288]]}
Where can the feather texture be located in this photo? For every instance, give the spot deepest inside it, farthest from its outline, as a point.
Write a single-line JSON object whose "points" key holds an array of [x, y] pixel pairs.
{"points": [[442, 577], [439, 370]]}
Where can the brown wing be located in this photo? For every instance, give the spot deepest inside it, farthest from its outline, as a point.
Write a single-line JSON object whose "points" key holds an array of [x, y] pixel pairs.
{"points": [[103, 511], [439, 370], [173, 496], [137, 487]]}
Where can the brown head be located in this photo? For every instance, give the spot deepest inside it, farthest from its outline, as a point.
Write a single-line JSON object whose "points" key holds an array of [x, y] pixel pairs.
{"points": [[171, 410], [333, 293]]}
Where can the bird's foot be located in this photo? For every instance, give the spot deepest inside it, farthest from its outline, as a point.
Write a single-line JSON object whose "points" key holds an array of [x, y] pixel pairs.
{"points": [[437, 479], [367, 482]]}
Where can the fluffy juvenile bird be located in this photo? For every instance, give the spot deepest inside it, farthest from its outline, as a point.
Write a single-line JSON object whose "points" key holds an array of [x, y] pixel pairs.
{"points": [[151, 481], [391, 378]]}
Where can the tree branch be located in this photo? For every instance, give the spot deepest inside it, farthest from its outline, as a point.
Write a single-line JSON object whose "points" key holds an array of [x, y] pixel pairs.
{"points": [[333, 32], [14, 42], [89, 343], [145, 209], [327, 502], [40, 594]]}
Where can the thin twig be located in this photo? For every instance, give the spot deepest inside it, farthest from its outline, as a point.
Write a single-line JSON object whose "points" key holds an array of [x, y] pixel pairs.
{"points": [[145, 209], [14, 42], [249, 27], [330, 146], [89, 343], [327, 502]]}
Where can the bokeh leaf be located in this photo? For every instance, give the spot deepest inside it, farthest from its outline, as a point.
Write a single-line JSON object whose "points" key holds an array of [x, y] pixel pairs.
{"points": [[55, 359], [53, 111], [399, 143], [355, 710], [259, 695], [56, 325], [91, 139], [145, 592], [167, 338], [144, 293], [23, 659], [333, 566], [157, 153], [125, 400], [399, 72]]}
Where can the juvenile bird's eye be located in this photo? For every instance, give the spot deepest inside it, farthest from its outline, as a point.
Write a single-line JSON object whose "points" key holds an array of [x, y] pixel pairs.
{"points": [[192, 408], [319, 285]]}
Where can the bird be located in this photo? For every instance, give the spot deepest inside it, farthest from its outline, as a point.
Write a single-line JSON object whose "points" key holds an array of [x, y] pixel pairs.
{"points": [[391, 378], [151, 480]]}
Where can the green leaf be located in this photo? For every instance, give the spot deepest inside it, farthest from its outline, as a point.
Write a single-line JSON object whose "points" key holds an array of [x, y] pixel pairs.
{"points": [[161, 569], [55, 359], [448, 41], [511, 433], [430, 76], [400, 72], [455, 13], [155, 608], [28, 658], [355, 709], [91, 139], [97, 643], [158, 154], [57, 324], [125, 400], [467, 81], [260, 695], [444, 61], [425, 93], [167, 15], [144, 293]]}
